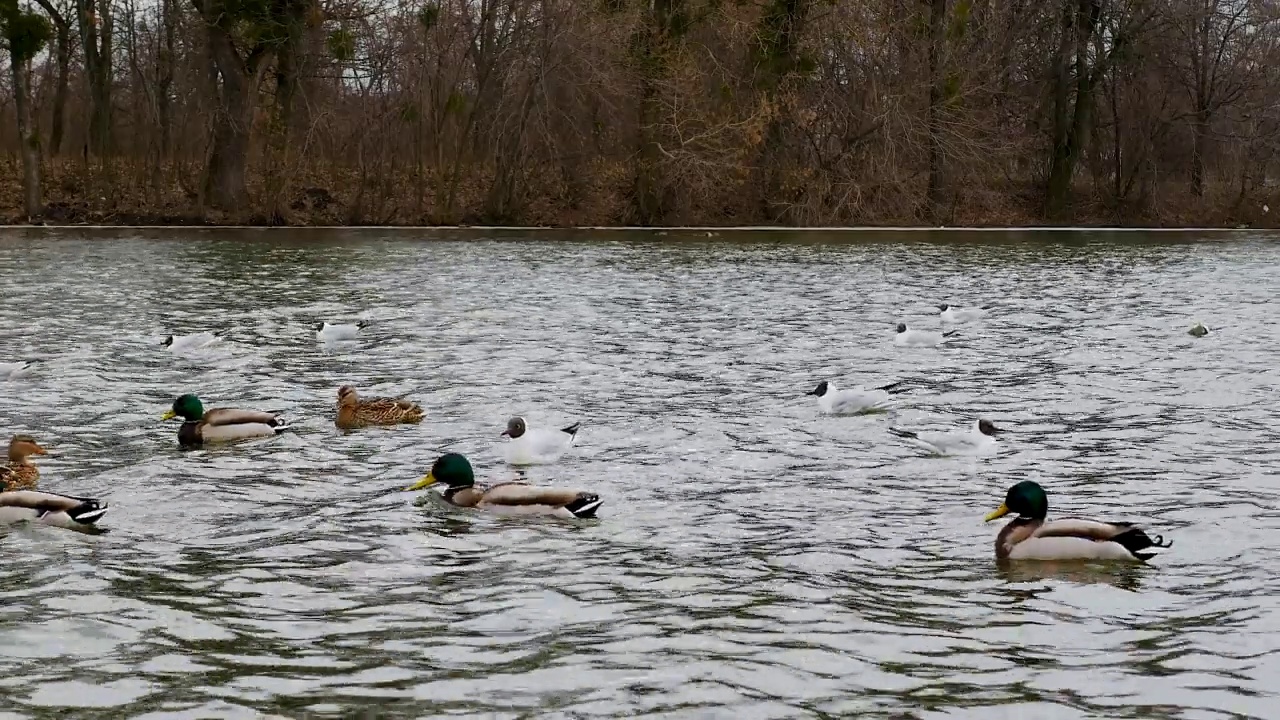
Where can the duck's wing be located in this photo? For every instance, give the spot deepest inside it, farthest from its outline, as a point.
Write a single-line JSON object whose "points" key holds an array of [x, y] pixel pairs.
{"points": [[1129, 536], [229, 416], [385, 409], [533, 499], [77, 509]]}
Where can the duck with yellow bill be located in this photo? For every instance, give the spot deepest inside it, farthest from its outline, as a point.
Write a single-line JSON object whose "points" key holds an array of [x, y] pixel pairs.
{"points": [[1029, 536], [220, 425], [452, 475]]}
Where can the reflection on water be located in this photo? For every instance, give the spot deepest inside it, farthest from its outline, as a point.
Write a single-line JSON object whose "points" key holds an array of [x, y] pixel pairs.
{"points": [[753, 558]]}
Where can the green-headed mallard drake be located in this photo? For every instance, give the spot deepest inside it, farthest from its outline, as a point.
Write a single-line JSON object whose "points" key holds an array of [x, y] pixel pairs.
{"points": [[64, 511], [1030, 537], [19, 473], [356, 412], [221, 424], [453, 471]]}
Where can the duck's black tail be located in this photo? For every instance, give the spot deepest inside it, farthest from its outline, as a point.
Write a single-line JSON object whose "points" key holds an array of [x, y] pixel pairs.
{"points": [[585, 505], [1135, 541]]}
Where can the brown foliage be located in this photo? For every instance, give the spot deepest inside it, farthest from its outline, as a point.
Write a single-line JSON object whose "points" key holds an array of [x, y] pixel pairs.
{"points": [[556, 112]]}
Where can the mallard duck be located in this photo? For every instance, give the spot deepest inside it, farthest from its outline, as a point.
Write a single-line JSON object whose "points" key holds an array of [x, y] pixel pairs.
{"points": [[536, 446], [1031, 537], [19, 473], [221, 424], [511, 498], [64, 511], [326, 332], [354, 412]]}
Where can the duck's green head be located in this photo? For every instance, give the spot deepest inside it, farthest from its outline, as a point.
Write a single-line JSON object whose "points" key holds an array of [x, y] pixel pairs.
{"points": [[452, 469], [187, 406], [1026, 498]]}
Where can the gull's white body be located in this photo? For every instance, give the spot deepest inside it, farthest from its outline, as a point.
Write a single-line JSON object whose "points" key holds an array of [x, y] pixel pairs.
{"points": [[10, 370], [959, 442], [538, 447], [955, 315], [918, 338], [195, 341], [852, 401], [334, 333]]}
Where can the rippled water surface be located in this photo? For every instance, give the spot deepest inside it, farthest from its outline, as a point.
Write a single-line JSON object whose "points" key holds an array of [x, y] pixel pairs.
{"points": [[753, 558]]}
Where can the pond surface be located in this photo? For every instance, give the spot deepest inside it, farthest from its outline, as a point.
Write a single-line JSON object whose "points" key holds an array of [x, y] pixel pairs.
{"points": [[753, 558]]}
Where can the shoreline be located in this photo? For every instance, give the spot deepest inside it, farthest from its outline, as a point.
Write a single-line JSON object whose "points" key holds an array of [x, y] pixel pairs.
{"points": [[715, 229]]}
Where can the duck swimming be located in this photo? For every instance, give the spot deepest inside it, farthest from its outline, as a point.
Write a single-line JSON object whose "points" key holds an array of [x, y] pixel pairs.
{"points": [[220, 424], [356, 412], [454, 472], [64, 511], [1030, 537], [19, 473]]}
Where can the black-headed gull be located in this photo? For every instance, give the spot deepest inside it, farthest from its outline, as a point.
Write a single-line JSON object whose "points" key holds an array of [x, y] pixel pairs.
{"points": [[533, 446], [979, 439], [834, 401]]}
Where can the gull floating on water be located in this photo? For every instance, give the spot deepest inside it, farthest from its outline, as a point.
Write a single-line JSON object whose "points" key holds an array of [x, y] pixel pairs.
{"points": [[908, 337], [953, 314], [853, 401], [189, 342], [536, 446], [330, 333], [978, 440], [11, 370]]}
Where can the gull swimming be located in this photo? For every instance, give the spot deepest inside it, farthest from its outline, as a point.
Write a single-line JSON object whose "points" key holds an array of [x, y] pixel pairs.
{"points": [[194, 341], [11, 370], [326, 332], [536, 446], [854, 401], [952, 314], [979, 439], [908, 337]]}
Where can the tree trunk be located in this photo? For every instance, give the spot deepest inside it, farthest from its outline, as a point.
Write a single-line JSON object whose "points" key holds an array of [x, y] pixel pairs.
{"points": [[62, 57], [1071, 121], [224, 181], [648, 200], [28, 139], [164, 81], [937, 191], [95, 36], [1199, 138]]}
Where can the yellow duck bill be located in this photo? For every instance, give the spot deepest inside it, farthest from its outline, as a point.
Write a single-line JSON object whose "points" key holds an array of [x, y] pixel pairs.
{"points": [[425, 482], [169, 415], [997, 513]]}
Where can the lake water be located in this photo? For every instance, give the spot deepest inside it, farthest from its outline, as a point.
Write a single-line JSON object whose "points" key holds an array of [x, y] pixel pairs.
{"points": [[753, 559]]}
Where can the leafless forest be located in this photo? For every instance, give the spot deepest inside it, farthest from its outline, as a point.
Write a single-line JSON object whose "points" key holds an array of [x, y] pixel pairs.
{"points": [[645, 112]]}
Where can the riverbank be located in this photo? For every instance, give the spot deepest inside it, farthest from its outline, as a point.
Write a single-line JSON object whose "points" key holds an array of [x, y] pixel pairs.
{"points": [[79, 195]]}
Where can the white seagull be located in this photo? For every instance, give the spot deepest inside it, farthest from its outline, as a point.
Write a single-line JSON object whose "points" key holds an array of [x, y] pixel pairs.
{"points": [[908, 337], [189, 342], [330, 333], [536, 446], [978, 440], [952, 314], [853, 401], [11, 370]]}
